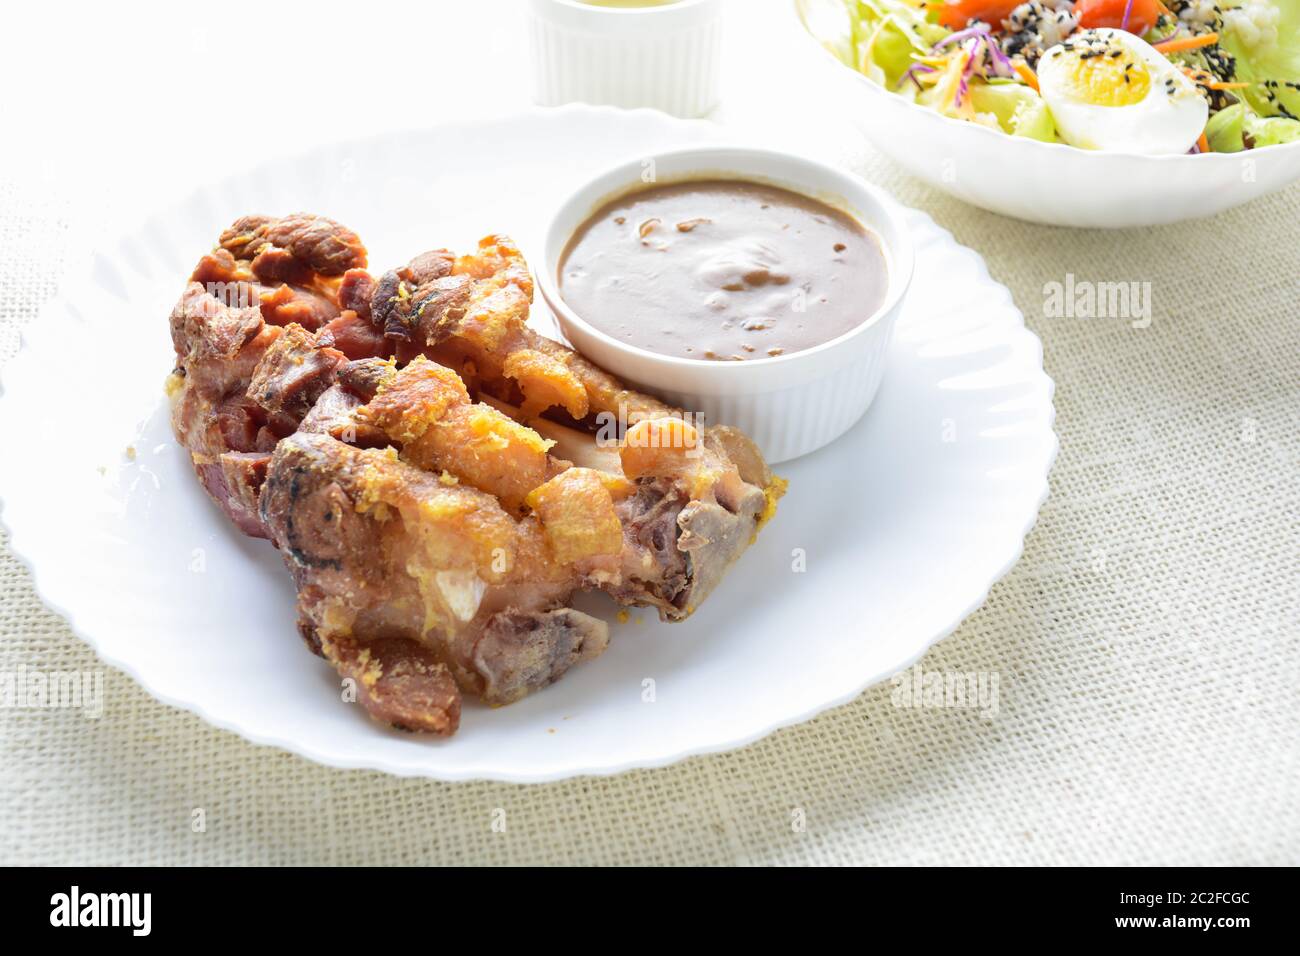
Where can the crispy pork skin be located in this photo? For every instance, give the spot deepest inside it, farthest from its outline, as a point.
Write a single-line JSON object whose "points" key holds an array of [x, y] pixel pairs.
{"points": [[230, 318], [380, 549]]}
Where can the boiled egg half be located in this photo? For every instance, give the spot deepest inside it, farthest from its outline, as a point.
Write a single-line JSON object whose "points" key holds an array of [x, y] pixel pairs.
{"points": [[1111, 90]]}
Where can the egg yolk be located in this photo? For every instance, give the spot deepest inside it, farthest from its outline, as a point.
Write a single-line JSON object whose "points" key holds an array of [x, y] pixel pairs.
{"points": [[1104, 80]]}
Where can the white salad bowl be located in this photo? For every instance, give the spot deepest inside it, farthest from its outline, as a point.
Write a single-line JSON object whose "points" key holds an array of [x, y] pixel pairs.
{"points": [[789, 404], [1050, 183]]}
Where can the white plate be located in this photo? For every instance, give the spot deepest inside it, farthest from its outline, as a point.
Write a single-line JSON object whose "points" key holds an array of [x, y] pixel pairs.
{"points": [[905, 522]]}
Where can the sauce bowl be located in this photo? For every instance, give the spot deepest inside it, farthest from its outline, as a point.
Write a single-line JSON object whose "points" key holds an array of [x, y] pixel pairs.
{"points": [[789, 404]]}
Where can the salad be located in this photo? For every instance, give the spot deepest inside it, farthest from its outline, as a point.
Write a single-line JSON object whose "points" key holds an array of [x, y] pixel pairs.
{"points": [[1138, 76]]}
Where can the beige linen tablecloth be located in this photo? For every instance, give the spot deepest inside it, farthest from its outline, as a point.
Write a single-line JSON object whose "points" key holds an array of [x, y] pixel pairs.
{"points": [[1147, 645]]}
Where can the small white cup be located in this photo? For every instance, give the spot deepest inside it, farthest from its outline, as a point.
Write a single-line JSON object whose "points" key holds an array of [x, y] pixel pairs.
{"points": [[789, 405], [665, 57]]}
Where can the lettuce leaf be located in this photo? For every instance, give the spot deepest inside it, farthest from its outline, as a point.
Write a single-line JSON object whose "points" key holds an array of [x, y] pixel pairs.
{"points": [[885, 34], [1225, 128], [1264, 37], [881, 38], [829, 23], [1017, 109], [1231, 129], [1272, 130], [1010, 107], [875, 37]]}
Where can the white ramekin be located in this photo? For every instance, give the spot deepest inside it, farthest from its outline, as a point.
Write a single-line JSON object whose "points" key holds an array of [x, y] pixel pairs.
{"points": [[791, 404], [665, 57]]}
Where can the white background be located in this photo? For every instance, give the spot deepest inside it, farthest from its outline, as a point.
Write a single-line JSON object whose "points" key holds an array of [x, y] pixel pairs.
{"points": [[115, 108]]}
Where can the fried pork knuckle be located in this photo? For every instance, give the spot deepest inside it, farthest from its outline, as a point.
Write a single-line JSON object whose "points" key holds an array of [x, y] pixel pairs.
{"points": [[429, 469]]}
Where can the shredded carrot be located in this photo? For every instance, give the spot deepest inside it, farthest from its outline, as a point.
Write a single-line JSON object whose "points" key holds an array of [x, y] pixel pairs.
{"points": [[953, 74], [1202, 143], [1025, 73], [1208, 81], [1179, 44]]}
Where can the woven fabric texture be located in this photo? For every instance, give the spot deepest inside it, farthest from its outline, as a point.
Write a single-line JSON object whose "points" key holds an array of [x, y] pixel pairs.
{"points": [[1147, 643]]}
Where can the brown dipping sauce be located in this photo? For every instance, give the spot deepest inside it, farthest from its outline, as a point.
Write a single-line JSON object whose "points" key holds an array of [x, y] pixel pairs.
{"points": [[722, 269]]}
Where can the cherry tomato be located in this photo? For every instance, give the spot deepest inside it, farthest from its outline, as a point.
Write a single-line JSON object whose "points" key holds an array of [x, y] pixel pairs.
{"points": [[955, 14], [1110, 13]]}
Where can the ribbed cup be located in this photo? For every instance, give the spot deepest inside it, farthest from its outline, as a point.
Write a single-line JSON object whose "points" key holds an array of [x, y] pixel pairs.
{"points": [[666, 57]]}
